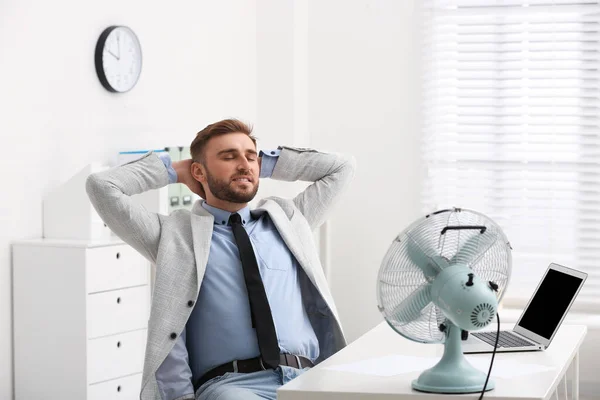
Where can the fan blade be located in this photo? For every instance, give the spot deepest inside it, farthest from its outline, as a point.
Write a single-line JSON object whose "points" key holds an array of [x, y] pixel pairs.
{"points": [[410, 308], [474, 247], [430, 266]]}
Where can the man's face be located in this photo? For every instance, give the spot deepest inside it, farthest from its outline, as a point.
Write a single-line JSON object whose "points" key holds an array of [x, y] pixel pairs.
{"points": [[232, 169]]}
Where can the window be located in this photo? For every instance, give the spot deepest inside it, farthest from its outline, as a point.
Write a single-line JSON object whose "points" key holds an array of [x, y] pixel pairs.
{"points": [[511, 128]]}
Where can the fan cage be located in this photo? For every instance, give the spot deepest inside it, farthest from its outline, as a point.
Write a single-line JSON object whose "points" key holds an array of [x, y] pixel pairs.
{"points": [[421, 250]]}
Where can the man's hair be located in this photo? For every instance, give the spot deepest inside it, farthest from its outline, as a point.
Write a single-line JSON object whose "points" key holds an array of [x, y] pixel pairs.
{"points": [[219, 128]]}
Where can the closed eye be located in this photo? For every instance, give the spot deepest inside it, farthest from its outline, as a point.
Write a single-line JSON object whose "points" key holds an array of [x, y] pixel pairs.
{"points": [[230, 154]]}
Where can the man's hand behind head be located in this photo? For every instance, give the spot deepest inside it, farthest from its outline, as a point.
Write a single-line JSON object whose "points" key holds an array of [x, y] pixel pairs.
{"points": [[184, 175]]}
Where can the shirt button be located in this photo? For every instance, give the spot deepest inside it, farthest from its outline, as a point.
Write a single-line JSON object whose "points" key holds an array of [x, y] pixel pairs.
{"points": [[190, 303], [173, 336], [273, 152]]}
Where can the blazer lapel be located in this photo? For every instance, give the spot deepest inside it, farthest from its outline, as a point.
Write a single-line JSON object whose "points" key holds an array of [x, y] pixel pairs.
{"points": [[202, 229]]}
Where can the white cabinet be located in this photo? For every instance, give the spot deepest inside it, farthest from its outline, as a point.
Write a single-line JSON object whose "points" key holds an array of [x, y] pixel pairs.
{"points": [[81, 312]]}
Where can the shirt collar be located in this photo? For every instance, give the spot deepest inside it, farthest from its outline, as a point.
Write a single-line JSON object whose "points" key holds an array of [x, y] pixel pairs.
{"points": [[222, 216]]}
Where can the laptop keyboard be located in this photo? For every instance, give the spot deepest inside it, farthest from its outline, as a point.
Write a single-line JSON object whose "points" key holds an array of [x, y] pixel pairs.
{"points": [[507, 339]]}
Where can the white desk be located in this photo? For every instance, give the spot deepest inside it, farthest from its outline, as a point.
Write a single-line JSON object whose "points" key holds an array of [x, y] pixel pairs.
{"points": [[323, 384]]}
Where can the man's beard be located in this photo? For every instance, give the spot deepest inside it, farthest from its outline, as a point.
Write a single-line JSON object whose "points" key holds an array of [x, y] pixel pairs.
{"points": [[222, 191]]}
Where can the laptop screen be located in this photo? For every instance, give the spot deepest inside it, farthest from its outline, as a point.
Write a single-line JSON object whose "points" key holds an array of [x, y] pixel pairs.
{"points": [[550, 302]]}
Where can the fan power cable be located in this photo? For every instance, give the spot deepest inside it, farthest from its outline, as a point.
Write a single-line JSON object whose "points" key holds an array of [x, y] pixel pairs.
{"points": [[493, 355]]}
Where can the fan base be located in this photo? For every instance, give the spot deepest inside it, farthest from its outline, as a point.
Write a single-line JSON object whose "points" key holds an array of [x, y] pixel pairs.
{"points": [[452, 390], [464, 379], [453, 374]]}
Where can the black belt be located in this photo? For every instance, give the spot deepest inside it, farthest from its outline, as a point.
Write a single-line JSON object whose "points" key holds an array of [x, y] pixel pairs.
{"points": [[252, 365]]}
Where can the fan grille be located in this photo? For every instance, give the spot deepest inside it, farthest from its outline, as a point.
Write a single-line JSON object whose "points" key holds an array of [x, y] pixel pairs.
{"points": [[421, 250]]}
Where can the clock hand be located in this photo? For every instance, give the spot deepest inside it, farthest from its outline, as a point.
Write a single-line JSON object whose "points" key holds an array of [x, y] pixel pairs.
{"points": [[119, 48], [112, 54]]}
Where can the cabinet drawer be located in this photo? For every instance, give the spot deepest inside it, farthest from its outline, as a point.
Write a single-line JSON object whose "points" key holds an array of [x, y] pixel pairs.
{"points": [[117, 311], [127, 388], [115, 267], [115, 356]]}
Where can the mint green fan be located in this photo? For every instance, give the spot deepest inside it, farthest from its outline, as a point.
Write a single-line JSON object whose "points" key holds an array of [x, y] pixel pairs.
{"points": [[445, 273]]}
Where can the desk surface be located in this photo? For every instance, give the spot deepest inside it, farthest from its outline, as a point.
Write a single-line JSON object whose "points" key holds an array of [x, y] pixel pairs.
{"points": [[323, 384]]}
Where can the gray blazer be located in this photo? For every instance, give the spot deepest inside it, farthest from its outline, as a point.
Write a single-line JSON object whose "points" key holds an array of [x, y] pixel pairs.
{"points": [[179, 244]]}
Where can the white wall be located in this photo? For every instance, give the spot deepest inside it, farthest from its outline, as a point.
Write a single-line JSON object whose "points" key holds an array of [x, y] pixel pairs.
{"points": [[199, 66], [340, 76], [363, 100], [275, 74], [281, 46]]}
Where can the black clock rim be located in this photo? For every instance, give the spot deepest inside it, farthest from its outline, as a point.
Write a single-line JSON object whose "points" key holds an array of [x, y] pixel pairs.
{"points": [[98, 59]]}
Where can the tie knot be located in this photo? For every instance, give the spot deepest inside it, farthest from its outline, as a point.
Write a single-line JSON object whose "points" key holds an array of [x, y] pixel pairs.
{"points": [[235, 218]]}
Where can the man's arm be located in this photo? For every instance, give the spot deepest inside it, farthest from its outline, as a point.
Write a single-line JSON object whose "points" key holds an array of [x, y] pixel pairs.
{"points": [[110, 191], [330, 174]]}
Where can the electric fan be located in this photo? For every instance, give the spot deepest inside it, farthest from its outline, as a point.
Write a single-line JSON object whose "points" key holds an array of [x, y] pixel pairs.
{"points": [[442, 275]]}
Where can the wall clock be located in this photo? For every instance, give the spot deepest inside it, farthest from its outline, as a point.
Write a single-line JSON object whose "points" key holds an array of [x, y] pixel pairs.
{"points": [[118, 59]]}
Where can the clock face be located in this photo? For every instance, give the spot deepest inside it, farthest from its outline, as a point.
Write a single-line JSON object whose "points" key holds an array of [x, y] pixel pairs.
{"points": [[118, 59]]}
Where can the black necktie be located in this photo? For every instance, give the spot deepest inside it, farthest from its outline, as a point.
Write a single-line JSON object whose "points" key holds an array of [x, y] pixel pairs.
{"points": [[259, 304]]}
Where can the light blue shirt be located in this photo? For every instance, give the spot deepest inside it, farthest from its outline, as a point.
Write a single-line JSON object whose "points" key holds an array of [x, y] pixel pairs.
{"points": [[219, 329]]}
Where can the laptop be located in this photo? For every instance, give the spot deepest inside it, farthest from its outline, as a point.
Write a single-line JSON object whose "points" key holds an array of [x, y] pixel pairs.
{"points": [[541, 318]]}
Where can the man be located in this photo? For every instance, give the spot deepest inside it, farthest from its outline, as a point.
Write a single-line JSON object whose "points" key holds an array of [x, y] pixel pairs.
{"points": [[240, 304]]}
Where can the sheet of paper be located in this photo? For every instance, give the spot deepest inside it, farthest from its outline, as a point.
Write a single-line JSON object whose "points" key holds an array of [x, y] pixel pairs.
{"points": [[387, 366], [396, 364]]}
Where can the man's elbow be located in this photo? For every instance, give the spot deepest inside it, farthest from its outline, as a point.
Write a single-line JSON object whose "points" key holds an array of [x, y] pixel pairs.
{"points": [[96, 188], [351, 161], [348, 166], [92, 185]]}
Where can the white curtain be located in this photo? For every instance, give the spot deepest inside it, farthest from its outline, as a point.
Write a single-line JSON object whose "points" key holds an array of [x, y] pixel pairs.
{"points": [[511, 128]]}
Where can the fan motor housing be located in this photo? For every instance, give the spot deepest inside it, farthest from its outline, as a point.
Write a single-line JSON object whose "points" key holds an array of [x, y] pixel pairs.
{"points": [[468, 302]]}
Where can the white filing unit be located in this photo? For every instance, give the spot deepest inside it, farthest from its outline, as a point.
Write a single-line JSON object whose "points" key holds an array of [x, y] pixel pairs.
{"points": [[81, 312]]}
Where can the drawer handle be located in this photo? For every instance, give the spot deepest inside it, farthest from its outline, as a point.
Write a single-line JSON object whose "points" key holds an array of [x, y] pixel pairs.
{"points": [[118, 300], [118, 344], [118, 388], [118, 255]]}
